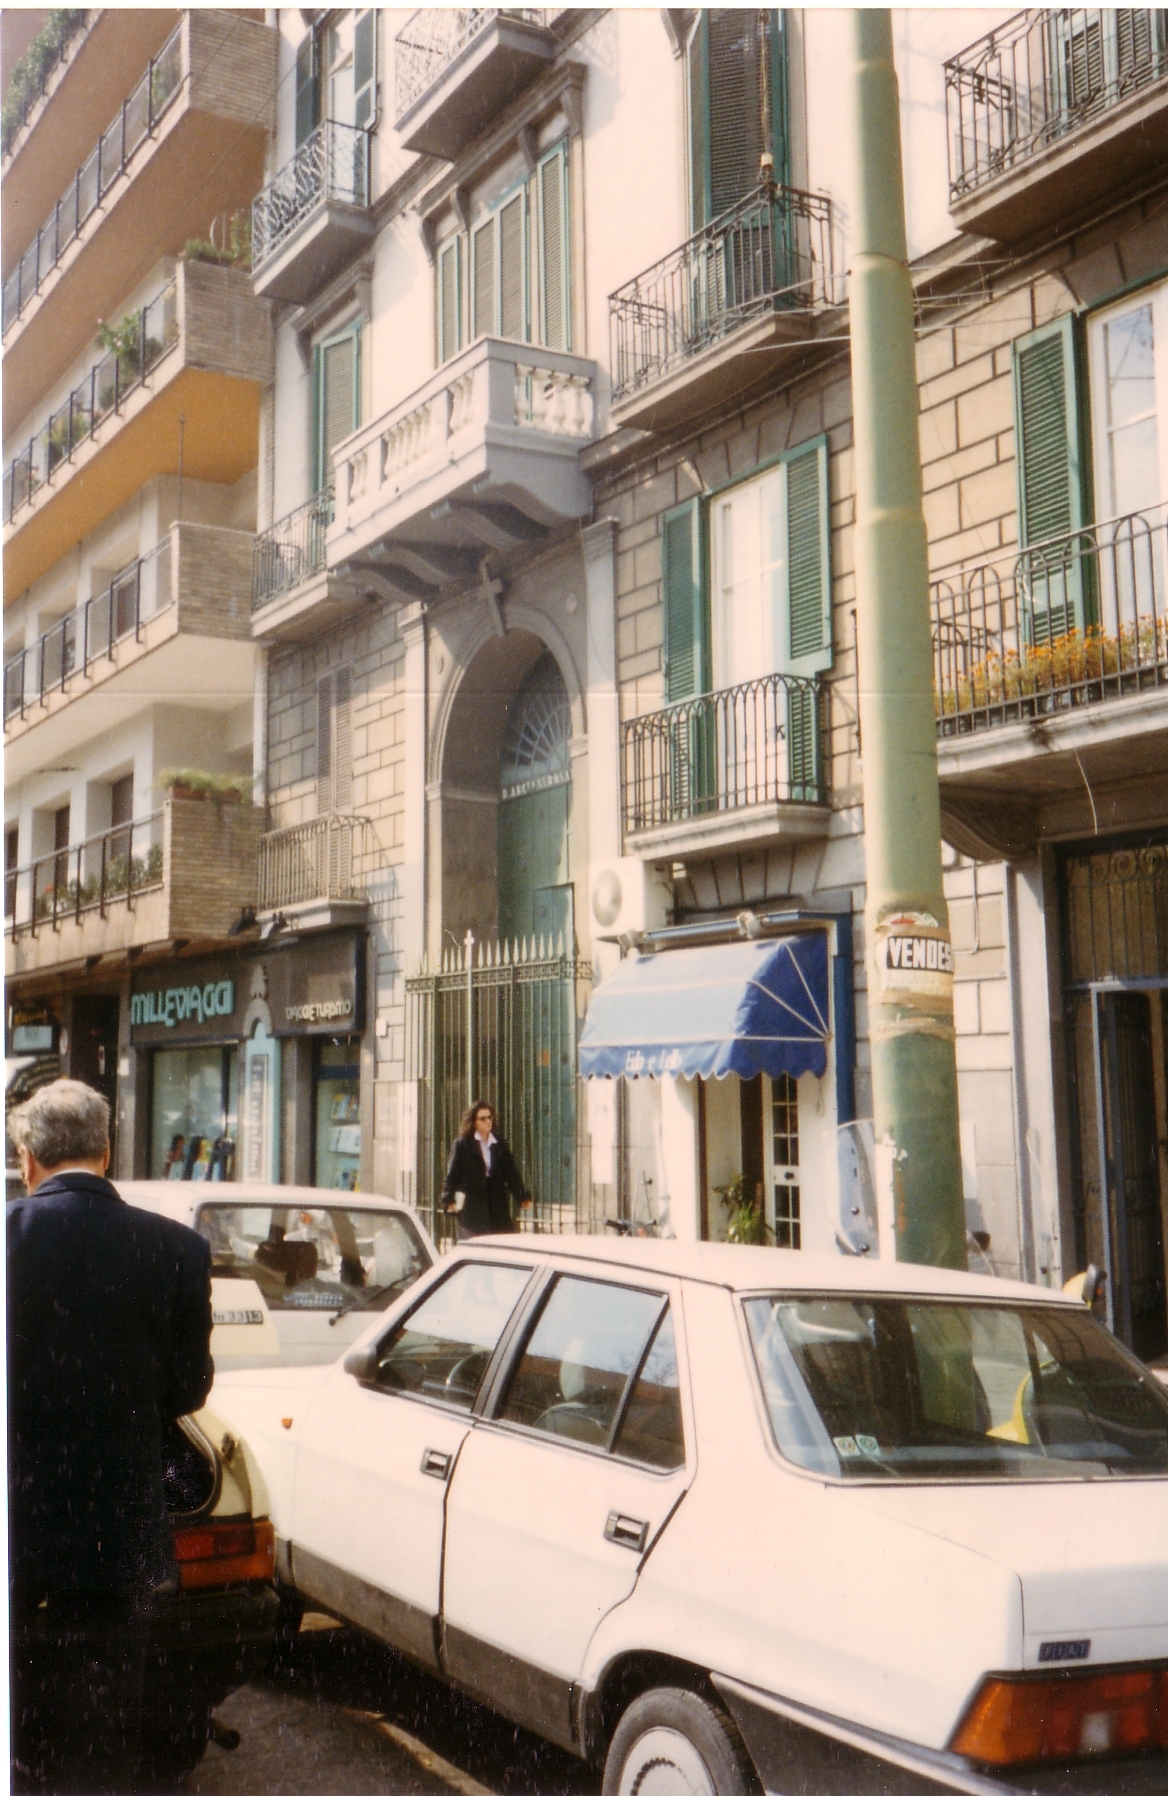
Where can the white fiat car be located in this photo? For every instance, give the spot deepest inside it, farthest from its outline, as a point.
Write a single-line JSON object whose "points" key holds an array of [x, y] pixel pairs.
{"points": [[730, 1519]]}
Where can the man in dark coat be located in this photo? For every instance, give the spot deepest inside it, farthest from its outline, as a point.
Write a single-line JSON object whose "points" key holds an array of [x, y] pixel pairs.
{"points": [[109, 1326], [483, 1173]]}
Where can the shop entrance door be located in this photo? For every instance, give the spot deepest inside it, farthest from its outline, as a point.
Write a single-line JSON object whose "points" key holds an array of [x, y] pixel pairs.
{"points": [[781, 1160], [94, 1055], [1133, 1126]]}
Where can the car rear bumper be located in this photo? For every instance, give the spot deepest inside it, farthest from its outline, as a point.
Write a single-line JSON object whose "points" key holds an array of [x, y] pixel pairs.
{"points": [[797, 1749]]}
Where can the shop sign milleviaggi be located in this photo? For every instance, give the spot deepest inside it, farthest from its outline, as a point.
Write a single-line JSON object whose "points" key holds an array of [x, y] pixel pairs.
{"points": [[203, 1000]]}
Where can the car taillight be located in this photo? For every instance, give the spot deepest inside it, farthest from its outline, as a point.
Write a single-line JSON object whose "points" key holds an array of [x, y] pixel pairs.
{"points": [[224, 1553], [1014, 1721]]}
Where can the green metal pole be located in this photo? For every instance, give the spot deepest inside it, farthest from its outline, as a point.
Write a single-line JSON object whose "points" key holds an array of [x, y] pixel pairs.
{"points": [[910, 958]]}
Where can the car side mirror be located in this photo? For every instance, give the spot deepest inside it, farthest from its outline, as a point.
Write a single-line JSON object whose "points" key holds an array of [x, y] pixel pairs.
{"points": [[361, 1364]]}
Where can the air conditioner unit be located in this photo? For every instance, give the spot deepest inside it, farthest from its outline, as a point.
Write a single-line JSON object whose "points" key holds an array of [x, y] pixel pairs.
{"points": [[626, 897]]}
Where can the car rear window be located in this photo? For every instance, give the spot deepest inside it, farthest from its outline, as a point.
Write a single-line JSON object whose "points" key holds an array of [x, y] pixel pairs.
{"points": [[331, 1257], [908, 1389]]}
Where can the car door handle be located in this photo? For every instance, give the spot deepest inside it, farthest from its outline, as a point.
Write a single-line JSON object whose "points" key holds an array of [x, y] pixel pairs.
{"points": [[435, 1464], [623, 1531]]}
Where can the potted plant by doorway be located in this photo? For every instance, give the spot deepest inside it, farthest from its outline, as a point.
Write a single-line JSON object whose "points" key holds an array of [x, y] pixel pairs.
{"points": [[220, 788], [746, 1222]]}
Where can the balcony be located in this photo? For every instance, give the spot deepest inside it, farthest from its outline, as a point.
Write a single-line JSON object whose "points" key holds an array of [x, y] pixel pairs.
{"points": [[312, 875], [734, 768], [133, 645], [1051, 667], [1052, 112], [484, 457], [200, 351], [158, 162], [19, 106], [314, 215], [685, 334], [293, 595], [456, 68], [183, 873]]}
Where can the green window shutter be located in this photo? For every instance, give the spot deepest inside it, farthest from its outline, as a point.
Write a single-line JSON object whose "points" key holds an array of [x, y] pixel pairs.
{"points": [[686, 611], [307, 88], [513, 269], [555, 285], [343, 739], [728, 81], [1051, 475], [449, 299], [365, 66], [809, 638], [483, 280], [338, 399]]}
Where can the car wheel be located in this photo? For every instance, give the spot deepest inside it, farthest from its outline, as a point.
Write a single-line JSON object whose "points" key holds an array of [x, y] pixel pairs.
{"points": [[675, 1743]]}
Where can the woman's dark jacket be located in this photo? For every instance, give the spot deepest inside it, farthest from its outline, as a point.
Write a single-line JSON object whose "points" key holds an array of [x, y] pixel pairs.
{"points": [[487, 1210]]}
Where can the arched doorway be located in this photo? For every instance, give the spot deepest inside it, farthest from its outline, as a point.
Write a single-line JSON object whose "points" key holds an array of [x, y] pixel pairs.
{"points": [[534, 819]]}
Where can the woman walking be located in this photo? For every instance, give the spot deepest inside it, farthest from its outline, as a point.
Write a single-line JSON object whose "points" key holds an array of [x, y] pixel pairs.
{"points": [[482, 1177]]}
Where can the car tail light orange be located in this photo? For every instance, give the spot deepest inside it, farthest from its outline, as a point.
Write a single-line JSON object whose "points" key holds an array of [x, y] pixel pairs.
{"points": [[1014, 1721], [212, 1553]]}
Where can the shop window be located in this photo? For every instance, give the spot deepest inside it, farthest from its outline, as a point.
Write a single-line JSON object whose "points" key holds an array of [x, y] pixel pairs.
{"points": [[511, 277], [736, 76], [193, 1113], [337, 1115], [336, 398]]}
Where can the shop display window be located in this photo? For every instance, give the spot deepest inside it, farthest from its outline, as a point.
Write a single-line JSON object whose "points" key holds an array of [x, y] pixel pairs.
{"points": [[194, 1113], [337, 1115]]}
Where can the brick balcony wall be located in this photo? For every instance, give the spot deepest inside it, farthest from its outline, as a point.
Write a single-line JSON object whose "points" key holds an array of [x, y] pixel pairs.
{"points": [[210, 854], [224, 326], [213, 579], [232, 66]]}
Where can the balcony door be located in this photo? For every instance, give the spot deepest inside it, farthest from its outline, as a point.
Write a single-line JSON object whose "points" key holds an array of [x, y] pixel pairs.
{"points": [[1128, 349]]}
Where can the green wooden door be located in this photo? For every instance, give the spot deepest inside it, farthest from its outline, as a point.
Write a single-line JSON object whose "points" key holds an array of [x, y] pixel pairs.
{"points": [[533, 862]]}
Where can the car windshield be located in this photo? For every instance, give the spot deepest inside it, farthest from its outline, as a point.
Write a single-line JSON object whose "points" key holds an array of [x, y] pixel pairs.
{"points": [[335, 1257], [908, 1388]]}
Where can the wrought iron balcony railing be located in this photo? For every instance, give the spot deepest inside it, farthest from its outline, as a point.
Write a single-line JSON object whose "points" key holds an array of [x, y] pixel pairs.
{"points": [[135, 121], [331, 165], [431, 39], [1069, 622], [1032, 81], [81, 637], [108, 869], [758, 743], [326, 858], [771, 252], [292, 550], [98, 396]]}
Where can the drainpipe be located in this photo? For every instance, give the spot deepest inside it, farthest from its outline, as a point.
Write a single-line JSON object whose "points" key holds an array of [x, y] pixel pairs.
{"points": [[910, 956]]}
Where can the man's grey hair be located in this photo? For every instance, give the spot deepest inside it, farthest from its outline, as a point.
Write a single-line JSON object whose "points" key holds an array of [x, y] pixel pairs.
{"points": [[62, 1123]]}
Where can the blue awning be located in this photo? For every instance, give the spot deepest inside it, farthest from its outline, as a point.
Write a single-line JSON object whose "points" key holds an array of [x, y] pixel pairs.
{"points": [[745, 1008]]}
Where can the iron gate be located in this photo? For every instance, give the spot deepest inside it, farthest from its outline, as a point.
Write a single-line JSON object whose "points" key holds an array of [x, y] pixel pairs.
{"points": [[501, 1021]]}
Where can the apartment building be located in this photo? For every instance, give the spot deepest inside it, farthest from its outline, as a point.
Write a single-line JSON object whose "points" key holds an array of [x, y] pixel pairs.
{"points": [[135, 360], [552, 618]]}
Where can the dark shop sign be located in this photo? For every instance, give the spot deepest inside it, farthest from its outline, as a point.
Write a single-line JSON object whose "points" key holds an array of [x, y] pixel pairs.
{"points": [[199, 1001], [316, 987]]}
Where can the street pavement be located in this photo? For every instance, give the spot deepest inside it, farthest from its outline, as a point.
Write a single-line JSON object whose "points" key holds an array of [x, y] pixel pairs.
{"points": [[344, 1717]]}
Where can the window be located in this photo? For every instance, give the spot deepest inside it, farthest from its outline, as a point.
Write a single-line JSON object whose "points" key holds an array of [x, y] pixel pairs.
{"points": [[336, 399], [600, 1364], [913, 1389], [193, 1112], [329, 1258], [11, 862], [337, 1091], [510, 278], [1128, 347], [443, 1348], [334, 742], [336, 72], [747, 588], [736, 73]]}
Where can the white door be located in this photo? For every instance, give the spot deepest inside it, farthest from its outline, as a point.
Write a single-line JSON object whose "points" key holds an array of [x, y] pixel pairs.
{"points": [[749, 534], [375, 1459], [1129, 410], [554, 1503], [781, 1158]]}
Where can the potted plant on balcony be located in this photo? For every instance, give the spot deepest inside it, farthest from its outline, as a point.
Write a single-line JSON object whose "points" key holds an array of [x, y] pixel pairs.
{"points": [[220, 788]]}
